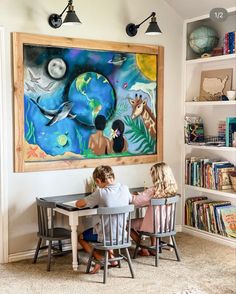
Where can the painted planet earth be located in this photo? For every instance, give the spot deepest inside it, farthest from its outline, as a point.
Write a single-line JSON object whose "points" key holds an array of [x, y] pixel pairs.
{"points": [[91, 94]]}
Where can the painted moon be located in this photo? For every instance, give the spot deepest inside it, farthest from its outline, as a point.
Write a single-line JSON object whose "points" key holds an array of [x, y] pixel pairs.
{"points": [[57, 68]]}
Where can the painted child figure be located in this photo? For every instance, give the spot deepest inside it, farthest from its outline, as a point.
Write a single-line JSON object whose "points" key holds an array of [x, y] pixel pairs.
{"points": [[118, 143], [98, 143], [108, 194], [164, 185]]}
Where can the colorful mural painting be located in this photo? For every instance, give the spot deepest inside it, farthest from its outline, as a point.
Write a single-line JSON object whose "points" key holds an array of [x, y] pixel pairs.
{"points": [[84, 103]]}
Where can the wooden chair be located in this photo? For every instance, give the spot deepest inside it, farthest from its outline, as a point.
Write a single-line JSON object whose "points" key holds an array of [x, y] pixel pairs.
{"points": [[164, 211], [47, 231], [115, 237]]}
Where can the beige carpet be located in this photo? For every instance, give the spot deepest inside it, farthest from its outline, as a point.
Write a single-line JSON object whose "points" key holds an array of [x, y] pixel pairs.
{"points": [[206, 267]]}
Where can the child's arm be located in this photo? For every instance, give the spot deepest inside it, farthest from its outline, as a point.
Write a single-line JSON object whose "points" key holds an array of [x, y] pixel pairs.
{"points": [[90, 201], [143, 198]]}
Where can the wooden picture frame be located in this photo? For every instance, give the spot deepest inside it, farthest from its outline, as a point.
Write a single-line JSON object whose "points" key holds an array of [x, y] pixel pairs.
{"points": [[58, 100]]}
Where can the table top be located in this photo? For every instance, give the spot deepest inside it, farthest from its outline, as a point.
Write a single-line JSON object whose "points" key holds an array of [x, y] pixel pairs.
{"points": [[60, 199]]}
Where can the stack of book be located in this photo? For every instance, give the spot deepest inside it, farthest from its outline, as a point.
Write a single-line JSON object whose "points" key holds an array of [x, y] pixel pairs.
{"points": [[221, 129], [212, 216], [229, 43], [207, 173]]}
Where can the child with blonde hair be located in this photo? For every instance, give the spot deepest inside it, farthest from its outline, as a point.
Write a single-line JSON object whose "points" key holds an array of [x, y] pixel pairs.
{"points": [[164, 185]]}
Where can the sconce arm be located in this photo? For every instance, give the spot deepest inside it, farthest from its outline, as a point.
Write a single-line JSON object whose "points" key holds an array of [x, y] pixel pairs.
{"points": [[152, 15]]}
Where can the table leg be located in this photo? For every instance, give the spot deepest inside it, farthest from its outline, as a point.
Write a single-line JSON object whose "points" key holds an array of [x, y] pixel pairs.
{"points": [[74, 241]]}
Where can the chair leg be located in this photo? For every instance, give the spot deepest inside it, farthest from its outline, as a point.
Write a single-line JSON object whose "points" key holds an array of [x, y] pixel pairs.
{"points": [[175, 248], [49, 255], [37, 250], [135, 251], [105, 267], [119, 261], [129, 262], [60, 245], [157, 252], [89, 261], [160, 246]]}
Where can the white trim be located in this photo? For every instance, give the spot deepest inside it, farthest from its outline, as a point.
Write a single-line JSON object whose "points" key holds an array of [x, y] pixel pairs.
{"points": [[210, 103], [210, 236], [30, 254], [3, 156]]}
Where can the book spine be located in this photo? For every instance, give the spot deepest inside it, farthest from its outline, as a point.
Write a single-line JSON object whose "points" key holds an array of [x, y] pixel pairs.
{"points": [[226, 43], [231, 42]]}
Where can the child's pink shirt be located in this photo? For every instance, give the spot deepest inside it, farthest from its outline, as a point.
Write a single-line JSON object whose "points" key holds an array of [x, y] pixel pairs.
{"points": [[146, 223]]}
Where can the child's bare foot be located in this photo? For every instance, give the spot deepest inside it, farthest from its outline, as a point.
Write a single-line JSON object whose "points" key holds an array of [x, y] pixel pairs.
{"points": [[96, 269], [152, 252], [143, 252], [111, 256]]}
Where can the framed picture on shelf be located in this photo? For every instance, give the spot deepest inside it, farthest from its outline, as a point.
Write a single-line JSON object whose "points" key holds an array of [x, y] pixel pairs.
{"points": [[215, 83], [81, 103]]}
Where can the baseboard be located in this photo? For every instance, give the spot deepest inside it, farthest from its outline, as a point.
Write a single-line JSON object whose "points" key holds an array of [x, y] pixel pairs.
{"points": [[178, 228], [30, 254]]}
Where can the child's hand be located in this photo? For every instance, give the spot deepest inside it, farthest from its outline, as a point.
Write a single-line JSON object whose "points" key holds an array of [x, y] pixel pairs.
{"points": [[80, 203]]}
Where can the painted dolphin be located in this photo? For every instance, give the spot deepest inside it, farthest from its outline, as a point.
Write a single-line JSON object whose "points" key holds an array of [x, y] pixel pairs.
{"points": [[57, 114]]}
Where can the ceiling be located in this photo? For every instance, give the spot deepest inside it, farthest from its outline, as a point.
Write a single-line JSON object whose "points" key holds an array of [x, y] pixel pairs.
{"points": [[192, 8]]}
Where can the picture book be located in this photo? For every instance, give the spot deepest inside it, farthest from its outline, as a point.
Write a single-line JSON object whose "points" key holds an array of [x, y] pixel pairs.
{"points": [[230, 129], [229, 220], [195, 132]]}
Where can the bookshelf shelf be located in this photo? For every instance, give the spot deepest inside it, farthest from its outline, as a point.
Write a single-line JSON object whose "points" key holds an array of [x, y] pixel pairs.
{"points": [[213, 148], [224, 193], [211, 103], [211, 113], [210, 236], [211, 59]]}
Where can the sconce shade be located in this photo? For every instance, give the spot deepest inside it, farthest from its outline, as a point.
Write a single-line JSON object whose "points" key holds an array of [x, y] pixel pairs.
{"points": [[153, 28], [71, 17], [55, 20]]}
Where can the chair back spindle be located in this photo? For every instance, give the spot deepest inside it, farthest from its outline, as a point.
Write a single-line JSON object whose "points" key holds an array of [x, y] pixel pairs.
{"points": [[114, 223]]}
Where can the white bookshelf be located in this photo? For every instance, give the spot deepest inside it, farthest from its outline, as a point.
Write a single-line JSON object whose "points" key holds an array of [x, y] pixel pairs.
{"points": [[223, 193], [212, 148], [211, 112]]}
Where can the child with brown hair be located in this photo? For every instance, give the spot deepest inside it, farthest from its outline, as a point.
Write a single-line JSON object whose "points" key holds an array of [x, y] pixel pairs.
{"points": [[108, 194], [164, 185]]}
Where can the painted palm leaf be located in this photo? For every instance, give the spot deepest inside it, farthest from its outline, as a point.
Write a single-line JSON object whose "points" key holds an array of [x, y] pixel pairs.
{"points": [[138, 134]]}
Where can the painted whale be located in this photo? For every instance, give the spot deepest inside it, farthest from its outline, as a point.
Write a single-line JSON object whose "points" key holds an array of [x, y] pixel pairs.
{"points": [[58, 114]]}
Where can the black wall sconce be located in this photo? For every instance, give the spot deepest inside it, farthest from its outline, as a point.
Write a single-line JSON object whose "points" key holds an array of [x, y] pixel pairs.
{"points": [[55, 20], [153, 28]]}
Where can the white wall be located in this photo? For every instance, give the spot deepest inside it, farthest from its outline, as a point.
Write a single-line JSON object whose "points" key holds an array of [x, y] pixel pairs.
{"points": [[102, 20]]}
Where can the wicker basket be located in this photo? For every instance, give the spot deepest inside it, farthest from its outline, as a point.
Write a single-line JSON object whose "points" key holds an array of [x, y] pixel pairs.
{"points": [[233, 179]]}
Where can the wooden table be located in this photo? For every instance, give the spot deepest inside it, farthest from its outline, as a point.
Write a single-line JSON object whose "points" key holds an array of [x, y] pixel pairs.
{"points": [[74, 216]]}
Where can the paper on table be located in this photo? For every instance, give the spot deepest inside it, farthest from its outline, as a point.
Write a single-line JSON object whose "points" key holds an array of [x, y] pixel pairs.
{"points": [[70, 203]]}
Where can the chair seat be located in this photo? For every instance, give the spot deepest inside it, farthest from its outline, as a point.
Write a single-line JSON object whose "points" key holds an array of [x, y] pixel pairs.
{"points": [[158, 235], [58, 234], [100, 246]]}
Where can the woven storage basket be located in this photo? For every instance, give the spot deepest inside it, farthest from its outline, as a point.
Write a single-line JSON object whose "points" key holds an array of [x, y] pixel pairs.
{"points": [[233, 179]]}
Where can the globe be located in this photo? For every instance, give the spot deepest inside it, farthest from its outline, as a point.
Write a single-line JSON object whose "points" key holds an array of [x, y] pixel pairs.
{"points": [[203, 39], [91, 94]]}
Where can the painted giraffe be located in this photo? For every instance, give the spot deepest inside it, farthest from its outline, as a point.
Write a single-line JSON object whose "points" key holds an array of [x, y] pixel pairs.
{"points": [[140, 107]]}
